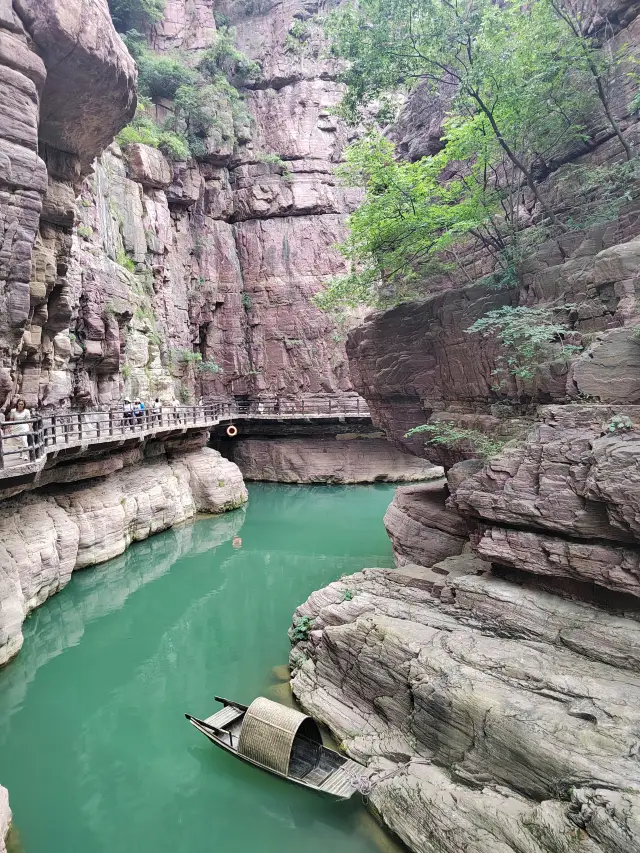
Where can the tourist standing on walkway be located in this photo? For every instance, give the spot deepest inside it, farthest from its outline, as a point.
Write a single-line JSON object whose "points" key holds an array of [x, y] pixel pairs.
{"points": [[138, 410], [20, 429]]}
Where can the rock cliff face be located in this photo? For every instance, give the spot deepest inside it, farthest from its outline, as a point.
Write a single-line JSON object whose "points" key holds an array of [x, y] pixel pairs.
{"points": [[492, 678], [108, 280], [500, 718], [45, 537], [329, 460]]}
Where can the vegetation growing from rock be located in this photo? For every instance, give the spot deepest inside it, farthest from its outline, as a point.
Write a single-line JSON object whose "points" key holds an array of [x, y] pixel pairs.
{"points": [[455, 437], [208, 110], [302, 627], [528, 336], [135, 14], [526, 82]]}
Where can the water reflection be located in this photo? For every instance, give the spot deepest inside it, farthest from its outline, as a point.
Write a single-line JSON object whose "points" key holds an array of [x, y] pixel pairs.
{"points": [[93, 741]]}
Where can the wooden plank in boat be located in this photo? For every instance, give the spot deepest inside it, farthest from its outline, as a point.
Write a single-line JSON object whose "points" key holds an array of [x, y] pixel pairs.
{"points": [[222, 718], [339, 783]]}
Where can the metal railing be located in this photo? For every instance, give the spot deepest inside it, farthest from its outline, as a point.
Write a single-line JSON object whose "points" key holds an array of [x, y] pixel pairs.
{"points": [[26, 442]]}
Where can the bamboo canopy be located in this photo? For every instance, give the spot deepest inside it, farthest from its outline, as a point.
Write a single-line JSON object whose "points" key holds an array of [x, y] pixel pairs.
{"points": [[269, 731]]}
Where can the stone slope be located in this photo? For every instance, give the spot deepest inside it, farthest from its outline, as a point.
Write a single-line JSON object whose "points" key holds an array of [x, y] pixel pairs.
{"points": [[500, 719]]}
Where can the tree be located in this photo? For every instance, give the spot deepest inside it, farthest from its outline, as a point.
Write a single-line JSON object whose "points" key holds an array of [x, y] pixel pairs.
{"points": [[513, 67], [525, 89], [580, 17]]}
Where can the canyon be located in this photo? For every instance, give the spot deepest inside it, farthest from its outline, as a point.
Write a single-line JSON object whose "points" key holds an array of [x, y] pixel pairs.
{"points": [[491, 679]]}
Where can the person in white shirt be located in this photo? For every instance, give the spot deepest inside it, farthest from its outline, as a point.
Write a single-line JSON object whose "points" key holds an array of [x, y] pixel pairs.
{"points": [[19, 429]]}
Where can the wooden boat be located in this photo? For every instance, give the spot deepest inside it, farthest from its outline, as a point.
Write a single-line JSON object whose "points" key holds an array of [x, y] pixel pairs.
{"points": [[284, 742]]}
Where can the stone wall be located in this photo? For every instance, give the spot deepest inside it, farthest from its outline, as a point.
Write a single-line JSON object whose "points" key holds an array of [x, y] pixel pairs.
{"points": [[347, 459]]}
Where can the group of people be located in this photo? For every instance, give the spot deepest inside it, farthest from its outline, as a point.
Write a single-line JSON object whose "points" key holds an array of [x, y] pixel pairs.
{"points": [[136, 412], [16, 427]]}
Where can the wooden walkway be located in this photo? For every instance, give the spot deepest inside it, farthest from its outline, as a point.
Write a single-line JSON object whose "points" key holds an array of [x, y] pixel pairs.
{"points": [[46, 436]]}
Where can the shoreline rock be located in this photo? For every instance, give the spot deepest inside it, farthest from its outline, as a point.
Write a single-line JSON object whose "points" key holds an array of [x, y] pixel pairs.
{"points": [[506, 716], [46, 536], [5, 818], [329, 460]]}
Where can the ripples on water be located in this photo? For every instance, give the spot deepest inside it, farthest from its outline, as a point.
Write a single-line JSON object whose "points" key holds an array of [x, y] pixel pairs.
{"points": [[94, 746]]}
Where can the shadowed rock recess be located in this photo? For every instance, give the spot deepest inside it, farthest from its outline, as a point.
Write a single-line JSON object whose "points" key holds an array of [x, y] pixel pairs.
{"points": [[493, 677]]}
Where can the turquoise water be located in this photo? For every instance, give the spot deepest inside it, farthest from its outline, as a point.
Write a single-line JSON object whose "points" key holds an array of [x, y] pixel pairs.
{"points": [[94, 747]]}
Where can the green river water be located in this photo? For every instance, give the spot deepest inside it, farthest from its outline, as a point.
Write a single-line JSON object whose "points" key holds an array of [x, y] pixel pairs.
{"points": [[94, 747]]}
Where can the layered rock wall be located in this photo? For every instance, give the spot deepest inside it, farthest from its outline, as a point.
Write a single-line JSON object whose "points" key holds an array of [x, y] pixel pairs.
{"points": [[354, 459], [113, 280], [496, 718], [47, 536]]}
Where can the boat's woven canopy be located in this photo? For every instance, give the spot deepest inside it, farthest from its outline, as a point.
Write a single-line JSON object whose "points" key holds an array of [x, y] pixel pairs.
{"points": [[269, 730]]}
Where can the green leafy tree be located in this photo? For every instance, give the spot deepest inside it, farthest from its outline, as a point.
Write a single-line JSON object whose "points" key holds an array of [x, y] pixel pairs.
{"points": [[600, 64], [454, 437], [513, 69], [135, 14], [525, 79]]}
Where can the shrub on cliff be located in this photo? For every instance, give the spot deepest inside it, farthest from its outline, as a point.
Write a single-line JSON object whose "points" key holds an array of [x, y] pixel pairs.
{"points": [[528, 336], [454, 437], [135, 14], [208, 111]]}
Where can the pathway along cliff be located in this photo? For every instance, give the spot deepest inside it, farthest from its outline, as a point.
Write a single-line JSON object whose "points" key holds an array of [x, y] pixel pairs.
{"points": [[94, 746]]}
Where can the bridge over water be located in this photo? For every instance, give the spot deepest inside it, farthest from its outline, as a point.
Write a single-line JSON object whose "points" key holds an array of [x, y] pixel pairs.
{"points": [[74, 432]]}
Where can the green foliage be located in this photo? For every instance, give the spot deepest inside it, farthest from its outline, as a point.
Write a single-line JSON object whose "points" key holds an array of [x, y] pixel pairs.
{"points": [[209, 112], [225, 58], [174, 146], [619, 423], [161, 75], [525, 81], [85, 231], [187, 356], [246, 301], [135, 14], [126, 371], [347, 595], [184, 395], [125, 261], [297, 36], [529, 336], [301, 629], [209, 367], [454, 437]]}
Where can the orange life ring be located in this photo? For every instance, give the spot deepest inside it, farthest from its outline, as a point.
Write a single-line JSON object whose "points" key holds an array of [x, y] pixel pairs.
{"points": [[232, 431]]}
